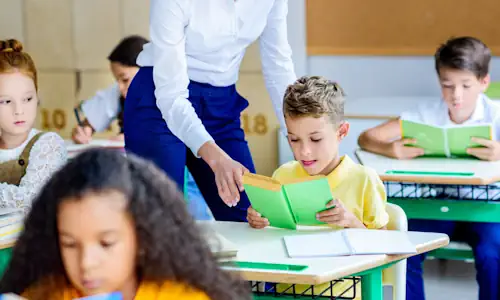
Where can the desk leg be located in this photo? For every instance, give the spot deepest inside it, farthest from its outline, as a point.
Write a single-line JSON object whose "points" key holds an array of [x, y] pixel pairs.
{"points": [[371, 285]]}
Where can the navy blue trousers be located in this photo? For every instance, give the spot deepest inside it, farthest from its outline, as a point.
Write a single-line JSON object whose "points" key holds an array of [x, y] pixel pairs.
{"points": [[484, 238], [147, 135]]}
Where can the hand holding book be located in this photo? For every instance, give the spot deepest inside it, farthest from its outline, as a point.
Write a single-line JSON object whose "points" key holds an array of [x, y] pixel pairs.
{"points": [[403, 149], [490, 150], [337, 214]]}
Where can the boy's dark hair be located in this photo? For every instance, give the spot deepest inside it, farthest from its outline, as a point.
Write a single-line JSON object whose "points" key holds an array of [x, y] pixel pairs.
{"points": [[314, 96], [170, 246], [464, 53], [127, 50]]}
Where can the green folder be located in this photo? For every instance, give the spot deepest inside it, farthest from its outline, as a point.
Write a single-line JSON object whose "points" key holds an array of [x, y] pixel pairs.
{"points": [[288, 204], [449, 141]]}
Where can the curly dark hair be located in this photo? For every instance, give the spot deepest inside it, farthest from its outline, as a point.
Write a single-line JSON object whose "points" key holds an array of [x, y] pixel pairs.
{"points": [[170, 245]]}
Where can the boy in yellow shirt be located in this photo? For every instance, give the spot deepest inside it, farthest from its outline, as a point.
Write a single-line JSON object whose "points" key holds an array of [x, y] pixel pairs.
{"points": [[314, 114]]}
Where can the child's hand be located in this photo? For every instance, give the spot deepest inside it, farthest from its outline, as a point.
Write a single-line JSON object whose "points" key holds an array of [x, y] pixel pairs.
{"points": [[255, 219], [398, 149], [491, 152], [339, 215], [82, 135]]}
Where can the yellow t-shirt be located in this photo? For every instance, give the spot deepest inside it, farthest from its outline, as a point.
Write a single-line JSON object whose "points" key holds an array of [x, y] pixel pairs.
{"points": [[361, 191], [357, 187], [146, 291]]}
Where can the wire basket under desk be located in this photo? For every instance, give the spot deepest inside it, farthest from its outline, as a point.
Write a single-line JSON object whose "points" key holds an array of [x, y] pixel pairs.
{"points": [[267, 290], [443, 191]]}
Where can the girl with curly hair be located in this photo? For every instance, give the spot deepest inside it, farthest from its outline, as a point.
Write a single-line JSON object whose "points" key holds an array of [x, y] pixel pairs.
{"points": [[108, 223]]}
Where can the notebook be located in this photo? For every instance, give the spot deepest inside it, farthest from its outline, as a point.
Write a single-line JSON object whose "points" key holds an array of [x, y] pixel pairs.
{"points": [[349, 242], [288, 204], [221, 247], [446, 141]]}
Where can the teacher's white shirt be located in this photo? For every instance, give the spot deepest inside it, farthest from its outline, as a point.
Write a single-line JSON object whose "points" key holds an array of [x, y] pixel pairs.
{"points": [[205, 41]]}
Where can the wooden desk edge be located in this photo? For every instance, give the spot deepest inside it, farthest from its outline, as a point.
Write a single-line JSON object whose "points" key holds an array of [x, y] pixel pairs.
{"points": [[298, 278]]}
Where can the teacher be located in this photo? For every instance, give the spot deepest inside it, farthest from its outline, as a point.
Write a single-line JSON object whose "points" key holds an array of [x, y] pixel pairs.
{"points": [[184, 96]]}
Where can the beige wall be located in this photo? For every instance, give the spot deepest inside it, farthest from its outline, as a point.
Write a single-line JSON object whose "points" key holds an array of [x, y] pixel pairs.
{"points": [[70, 40]]}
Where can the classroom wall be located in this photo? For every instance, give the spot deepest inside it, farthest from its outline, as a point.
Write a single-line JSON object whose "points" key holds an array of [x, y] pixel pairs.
{"points": [[383, 76], [70, 40]]}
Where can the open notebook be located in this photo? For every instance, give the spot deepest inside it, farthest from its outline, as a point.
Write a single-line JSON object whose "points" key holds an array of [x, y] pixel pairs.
{"points": [[112, 296], [349, 242]]}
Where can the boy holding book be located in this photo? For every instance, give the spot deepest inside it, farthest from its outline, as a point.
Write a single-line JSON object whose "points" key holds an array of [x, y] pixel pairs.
{"points": [[314, 114], [462, 66]]}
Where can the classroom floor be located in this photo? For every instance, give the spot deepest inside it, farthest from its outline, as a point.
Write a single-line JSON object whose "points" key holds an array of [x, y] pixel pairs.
{"points": [[455, 279]]}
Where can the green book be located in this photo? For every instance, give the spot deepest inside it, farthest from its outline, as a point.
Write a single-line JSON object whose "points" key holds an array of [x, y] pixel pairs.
{"points": [[288, 204], [449, 141]]}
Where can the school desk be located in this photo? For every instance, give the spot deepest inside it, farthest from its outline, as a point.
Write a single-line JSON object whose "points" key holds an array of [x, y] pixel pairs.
{"points": [[441, 189], [74, 149], [262, 257]]}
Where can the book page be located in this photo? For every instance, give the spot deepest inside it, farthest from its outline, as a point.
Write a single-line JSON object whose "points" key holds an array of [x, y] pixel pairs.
{"points": [[308, 198], [316, 245], [372, 241], [459, 137]]}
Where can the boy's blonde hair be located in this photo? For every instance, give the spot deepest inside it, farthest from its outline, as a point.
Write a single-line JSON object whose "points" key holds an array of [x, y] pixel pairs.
{"points": [[314, 96]]}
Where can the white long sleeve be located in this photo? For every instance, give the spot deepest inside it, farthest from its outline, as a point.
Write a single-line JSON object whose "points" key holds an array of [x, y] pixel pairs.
{"points": [[205, 41], [276, 57], [168, 19], [47, 155], [103, 107]]}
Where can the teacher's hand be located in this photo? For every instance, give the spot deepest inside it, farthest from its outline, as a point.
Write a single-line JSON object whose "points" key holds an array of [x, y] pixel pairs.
{"points": [[228, 172]]}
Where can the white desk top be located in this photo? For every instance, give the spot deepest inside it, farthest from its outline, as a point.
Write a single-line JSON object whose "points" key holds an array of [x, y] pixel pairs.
{"points": [[74, 149], [382, 107], [266, 246], [484, 172]]}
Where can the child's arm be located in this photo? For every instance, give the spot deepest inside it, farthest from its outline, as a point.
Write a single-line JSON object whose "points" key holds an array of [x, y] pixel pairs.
{"points": [[47, 155], [255, 219], [385, 139]]}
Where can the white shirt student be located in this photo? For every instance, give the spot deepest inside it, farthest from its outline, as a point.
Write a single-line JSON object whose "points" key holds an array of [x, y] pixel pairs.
{"points": [[436, 113], [189, 96], [103, 108]]}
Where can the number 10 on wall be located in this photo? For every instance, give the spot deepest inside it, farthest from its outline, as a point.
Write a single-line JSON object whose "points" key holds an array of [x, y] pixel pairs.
{"points": [[53, 119]]}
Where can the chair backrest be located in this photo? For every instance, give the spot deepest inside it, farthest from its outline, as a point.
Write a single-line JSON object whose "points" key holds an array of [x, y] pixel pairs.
{"points": [[397, 218]]}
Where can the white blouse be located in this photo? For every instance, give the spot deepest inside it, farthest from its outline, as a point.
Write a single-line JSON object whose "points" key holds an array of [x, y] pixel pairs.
{"points": [[47, 155], [103, 107], [205, 41]]}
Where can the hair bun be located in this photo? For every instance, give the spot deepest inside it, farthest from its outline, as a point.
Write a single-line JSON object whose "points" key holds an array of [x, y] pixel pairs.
{"points": [[11, 45]]}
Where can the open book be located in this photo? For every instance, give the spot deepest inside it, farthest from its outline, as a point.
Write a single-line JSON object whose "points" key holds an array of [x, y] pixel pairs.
{"points": [[446, 141], [349, 242], [11, 297], [286, 204]]}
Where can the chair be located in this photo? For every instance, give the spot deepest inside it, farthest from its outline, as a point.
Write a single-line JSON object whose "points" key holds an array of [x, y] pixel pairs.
{"points": [[395, 276]]}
